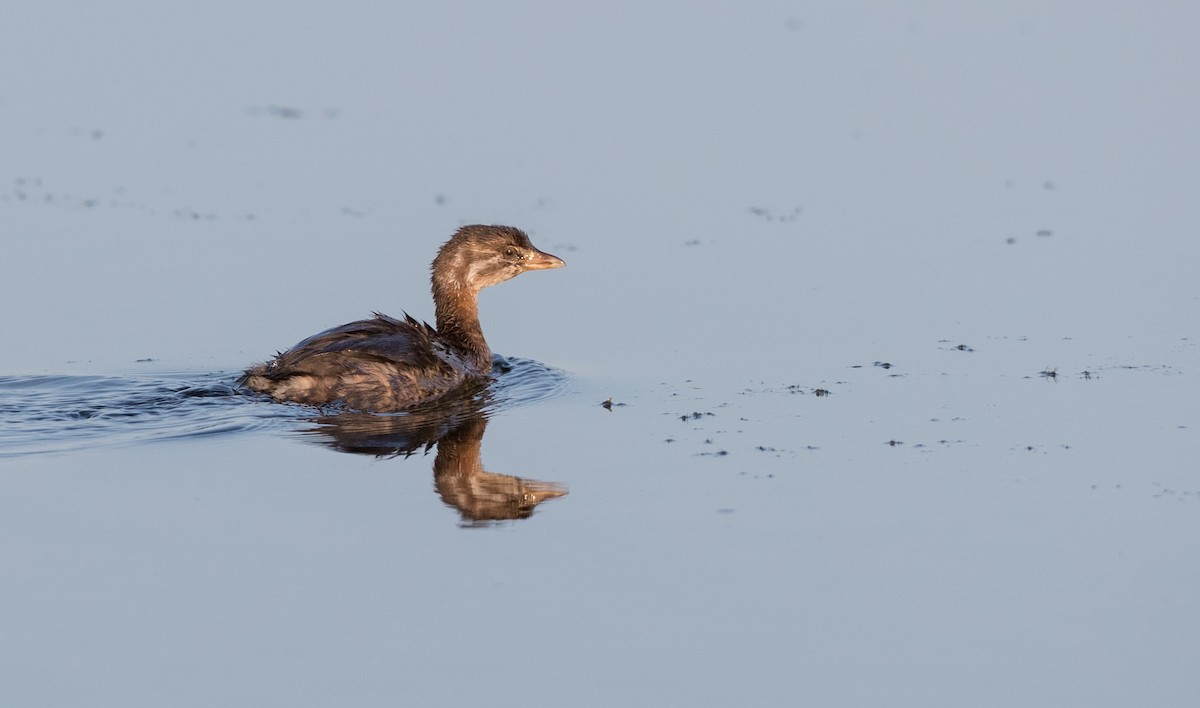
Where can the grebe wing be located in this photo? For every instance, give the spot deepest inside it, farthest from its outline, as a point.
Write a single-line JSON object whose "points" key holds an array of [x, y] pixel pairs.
{"points": [[408, 342]]}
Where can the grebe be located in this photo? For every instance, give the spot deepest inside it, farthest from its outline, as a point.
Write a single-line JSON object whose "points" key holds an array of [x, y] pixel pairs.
{"points": [[386, 364]]}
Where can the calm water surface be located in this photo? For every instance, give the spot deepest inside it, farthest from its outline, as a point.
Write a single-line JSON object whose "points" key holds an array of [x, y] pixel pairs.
{"points": [[894, 312]]}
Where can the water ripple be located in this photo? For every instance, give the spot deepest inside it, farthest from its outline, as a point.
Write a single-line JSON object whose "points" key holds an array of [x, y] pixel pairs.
{"points": [[46, 414]]}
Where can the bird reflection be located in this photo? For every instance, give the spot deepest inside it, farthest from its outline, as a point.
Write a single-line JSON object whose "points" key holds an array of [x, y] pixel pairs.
{"points": [[456, 427]]}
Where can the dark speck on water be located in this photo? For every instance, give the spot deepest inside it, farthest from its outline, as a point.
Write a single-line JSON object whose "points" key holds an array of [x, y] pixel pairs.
{"points": [[608, 404], [768, 215], [819, 392], [285, 112]]}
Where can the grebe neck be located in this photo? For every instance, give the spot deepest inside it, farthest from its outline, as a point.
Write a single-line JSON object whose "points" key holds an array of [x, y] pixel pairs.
{"points": [[457, 312]]}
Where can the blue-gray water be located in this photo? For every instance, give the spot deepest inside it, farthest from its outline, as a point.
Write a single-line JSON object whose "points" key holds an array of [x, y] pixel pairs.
{"points": [[896, 308]]}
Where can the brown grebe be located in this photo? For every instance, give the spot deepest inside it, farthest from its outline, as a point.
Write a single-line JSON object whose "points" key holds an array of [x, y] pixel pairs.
{"points": [[385, 364]]}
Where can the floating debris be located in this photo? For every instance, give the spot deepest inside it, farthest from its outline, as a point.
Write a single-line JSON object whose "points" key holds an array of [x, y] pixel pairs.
{"points": [[285, 112], [797, 388], [768, 215]]}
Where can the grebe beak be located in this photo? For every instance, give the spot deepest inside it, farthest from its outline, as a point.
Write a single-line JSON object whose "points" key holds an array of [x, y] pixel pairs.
{"points": [[541, 261], [538, 492]]}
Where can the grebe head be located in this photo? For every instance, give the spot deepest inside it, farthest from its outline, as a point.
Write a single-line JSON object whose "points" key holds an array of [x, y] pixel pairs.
{"points": [[479, 256]]}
